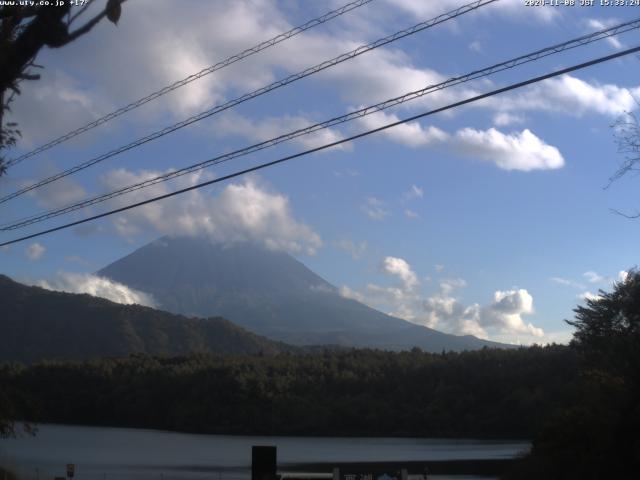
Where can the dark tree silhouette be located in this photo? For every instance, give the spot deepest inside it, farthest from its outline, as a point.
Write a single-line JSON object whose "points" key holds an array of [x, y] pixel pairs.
{"points": [[626, 131], [596, 435], [24, 31], [627, 134], [608, 321]]}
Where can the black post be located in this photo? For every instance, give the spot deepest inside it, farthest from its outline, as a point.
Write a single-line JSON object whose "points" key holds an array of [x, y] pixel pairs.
{"points": [[263, 462]]}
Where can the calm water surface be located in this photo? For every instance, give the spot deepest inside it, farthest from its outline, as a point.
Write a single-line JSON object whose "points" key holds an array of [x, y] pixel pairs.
{"points": [[133, 454]]}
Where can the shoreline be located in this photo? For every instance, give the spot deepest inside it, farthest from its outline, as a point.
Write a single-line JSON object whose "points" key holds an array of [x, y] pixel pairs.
{"points": [[497, 466]]}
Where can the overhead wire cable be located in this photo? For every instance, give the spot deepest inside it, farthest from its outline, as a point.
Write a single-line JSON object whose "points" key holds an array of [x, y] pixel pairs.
{"points": [[508, 64], [261, 91], [206, 71], [460, 103]]}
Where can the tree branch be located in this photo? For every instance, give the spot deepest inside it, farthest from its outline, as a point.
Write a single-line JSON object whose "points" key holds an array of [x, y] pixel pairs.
{"points": [[22, 12], [618, 212], [80, 12], [85, 28]]}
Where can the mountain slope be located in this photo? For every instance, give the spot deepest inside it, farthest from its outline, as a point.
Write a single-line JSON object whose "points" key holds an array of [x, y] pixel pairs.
{"points": [[268, 292], [38, 324]]}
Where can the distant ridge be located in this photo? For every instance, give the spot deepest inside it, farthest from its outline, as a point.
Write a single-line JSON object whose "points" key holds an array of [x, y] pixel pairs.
{"points": [[38, 324], [270, 293]]}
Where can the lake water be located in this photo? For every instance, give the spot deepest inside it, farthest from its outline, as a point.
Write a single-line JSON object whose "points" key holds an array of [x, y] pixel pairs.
{"points": [[133, 454]]}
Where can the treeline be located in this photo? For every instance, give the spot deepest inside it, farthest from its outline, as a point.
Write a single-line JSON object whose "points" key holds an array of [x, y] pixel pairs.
{"points": [[488, 393], [580, 403]]}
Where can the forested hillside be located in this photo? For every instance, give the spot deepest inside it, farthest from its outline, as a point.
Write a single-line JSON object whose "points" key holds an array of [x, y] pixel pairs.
{"points": [[40, 324], [486, 393]]}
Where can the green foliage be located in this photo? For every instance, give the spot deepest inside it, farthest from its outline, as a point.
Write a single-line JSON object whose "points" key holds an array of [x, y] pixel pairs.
{"points": [[24, 30], [608, 329], [38, 324], [486, 393], [13, 405], [597, 434]]}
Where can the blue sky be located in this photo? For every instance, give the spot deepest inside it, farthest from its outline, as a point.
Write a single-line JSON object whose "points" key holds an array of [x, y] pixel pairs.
{"points": [[491, 219]]}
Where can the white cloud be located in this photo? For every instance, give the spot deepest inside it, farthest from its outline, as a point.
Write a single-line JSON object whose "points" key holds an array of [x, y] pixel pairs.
{"points": [[507, 309], [194, 40], [356, 250], [411, 134], [598, 24], [185, 44], [422, 9], [349, 172], [513, 301], [571, 96], [449, 315], [35, 251], [399, 268], [59, 96], [79, 260], [503, 316], [502, 319], [448, 285], [165, 55], [589, 296], [509, 8], [346, 292], [57, 194], [98, 287], [241, 212], [517, 151], [322, 288], [398, 297], [401, 297], [445, 312], [384, 74], [199, 36], [593, 277], [413, 193], [561, 336], [375, 208], [522, 151], [514, 9], [504, 119], [271, 127], [411, 214], [566, 282], [476, 46]]}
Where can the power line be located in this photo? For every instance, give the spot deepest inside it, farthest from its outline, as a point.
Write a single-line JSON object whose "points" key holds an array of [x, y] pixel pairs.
{"points": [[333, 144], [261, 91], [206, 71], [514, 62]]}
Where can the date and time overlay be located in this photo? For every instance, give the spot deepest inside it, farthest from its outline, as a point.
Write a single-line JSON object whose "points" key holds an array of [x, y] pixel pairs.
{"points": [[526, 3], [581, 3]]}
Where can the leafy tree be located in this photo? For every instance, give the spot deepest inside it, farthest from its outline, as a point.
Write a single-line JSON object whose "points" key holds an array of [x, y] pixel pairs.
{"points": [[597, 435], [13, 403], [24, 31], [608, 329]]}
